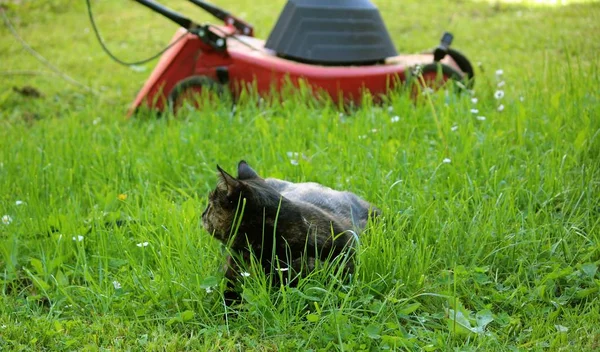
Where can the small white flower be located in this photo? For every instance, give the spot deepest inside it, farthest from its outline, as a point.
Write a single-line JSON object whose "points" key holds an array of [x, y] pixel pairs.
{"points": [[245, 273], [499, 72], [474, 100], [209, 289], [364, 136], [501, 107], [117, 285], [395, 119], [454, 128], [499, 94], [341, 115], [481, 118], [501, 84], [390, 108], [474, 111], [142, 244], [6, 219], [19, 202], [78, 238], [374, 130], [96, 121], [446, 161], [521, 98], [294, 162], [293, 154]]}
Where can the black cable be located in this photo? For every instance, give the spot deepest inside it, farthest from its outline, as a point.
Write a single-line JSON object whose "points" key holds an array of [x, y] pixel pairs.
{"points": [[141, 62]]}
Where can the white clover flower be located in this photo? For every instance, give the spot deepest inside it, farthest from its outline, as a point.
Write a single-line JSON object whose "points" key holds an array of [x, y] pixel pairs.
{"points": [[446, 161], [6, 219], [474, 111], [454, 128], [501, 84], [19, 202], [117, 285], [499, 72], [78, 238], [481, 118], [395, 119], [245, 273], [499, 94], [474, 100], [142, 244], [501, 107], [209, 289]]}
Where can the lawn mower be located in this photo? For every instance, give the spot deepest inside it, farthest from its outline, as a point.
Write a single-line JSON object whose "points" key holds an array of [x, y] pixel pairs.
{"points": [[340, 48]]}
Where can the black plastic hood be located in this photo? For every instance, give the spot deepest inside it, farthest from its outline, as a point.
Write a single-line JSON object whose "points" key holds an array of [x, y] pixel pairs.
{"points": [[331, 32]]}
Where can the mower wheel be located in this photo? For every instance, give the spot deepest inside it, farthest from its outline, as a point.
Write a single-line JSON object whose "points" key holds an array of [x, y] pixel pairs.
{"points": [[192, 89]]}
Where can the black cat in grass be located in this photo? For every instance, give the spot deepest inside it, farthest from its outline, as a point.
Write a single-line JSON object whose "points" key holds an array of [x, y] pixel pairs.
{"points": [[287, 226]]}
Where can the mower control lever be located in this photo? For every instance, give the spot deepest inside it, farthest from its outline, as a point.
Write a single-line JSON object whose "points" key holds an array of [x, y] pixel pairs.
{"points": [[442, 50], [205, 33], [168, 13], [243, 27]]}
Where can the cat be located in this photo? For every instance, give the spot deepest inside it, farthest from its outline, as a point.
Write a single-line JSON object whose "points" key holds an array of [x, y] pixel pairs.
{"points": [[287, 226]]}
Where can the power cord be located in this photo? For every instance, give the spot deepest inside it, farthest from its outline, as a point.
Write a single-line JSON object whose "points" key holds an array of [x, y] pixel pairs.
{"points": [[112, 56], [39, 56]]}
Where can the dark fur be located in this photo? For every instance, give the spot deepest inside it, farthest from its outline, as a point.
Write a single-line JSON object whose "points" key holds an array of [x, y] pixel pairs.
{"points": [[300, 223]]}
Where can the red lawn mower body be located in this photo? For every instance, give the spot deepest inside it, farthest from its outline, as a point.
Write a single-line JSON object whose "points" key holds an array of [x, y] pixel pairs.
{"points": [[223, 57]]}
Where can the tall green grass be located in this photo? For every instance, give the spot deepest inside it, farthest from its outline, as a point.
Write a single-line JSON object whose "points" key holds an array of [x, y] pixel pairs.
{"points": [[489, 237]]}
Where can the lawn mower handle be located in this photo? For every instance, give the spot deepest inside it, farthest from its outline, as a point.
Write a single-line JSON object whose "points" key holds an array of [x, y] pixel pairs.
{"points": [[226, 17], [170, 14]]}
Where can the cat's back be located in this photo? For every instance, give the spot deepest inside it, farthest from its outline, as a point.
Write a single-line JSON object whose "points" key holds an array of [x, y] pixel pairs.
{"points": [[341, 204]]}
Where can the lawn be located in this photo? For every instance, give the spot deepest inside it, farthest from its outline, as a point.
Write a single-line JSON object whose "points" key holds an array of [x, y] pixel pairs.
{"points": [[490, 238]]}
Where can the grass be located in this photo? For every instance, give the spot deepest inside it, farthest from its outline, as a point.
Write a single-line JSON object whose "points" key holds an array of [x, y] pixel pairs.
{"points": [[495, 248]]}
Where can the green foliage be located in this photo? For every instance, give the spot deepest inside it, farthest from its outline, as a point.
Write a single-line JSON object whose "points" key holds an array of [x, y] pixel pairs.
{"points": [[490, 235]]}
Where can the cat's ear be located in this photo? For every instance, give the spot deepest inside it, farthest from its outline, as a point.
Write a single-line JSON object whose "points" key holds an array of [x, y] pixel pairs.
{"points": [[227, 182], [245, 172]]}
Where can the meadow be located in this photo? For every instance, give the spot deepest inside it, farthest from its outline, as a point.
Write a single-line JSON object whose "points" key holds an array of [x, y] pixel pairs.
{"points": [[490, 238]]}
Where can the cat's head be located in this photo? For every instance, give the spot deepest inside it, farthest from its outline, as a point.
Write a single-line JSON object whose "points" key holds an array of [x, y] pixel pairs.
{"points": [[248, 191]]}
